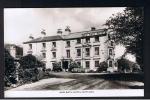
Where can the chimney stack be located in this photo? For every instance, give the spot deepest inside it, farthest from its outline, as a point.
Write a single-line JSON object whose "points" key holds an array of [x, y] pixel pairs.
{"points": [[59, 31], [31, 37], [43, 33], [67, 30]]}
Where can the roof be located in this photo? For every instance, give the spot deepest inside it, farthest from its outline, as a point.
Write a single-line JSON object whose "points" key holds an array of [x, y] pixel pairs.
{"points": [[63, 37], [45, 39]]}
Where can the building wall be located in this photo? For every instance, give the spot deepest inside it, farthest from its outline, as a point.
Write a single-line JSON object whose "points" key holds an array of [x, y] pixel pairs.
{"points": [[61, 48]]}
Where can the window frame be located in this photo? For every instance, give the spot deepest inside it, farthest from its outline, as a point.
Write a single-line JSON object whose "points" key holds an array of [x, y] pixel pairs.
{"points": [[87, 64], [87, 52], [97, 51], [54, 53], [78, 53]]}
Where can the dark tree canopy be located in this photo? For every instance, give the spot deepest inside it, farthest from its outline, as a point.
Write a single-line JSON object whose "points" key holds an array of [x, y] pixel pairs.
{"points": [[128, 30], [30, 61], [9, 64]]}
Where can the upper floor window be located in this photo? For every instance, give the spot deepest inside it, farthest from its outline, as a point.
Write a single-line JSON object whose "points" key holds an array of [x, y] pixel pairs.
{"points": [[68, 53], [30, 46], [87, 40], [96, 50], [44, 55], [54, 54], [44, 45], [53, 44], [96, 63], [110, 52], [96, 38], [78, 41], [111, 43], [78, 52], [87, 51], [68, 43]]}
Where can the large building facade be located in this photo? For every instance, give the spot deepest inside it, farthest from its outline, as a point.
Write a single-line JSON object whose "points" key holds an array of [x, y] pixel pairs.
{"points": [[87, 48]]}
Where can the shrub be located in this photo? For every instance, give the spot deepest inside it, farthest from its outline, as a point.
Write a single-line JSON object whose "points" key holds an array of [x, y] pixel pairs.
{"points": [[72, 66], [124, 65], [102, 66], [136, 68], [10, 69], [57, 67], [30, 68]]}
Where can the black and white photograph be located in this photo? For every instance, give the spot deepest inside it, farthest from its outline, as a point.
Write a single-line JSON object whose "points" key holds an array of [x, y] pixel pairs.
{"points": [[74, 52]]}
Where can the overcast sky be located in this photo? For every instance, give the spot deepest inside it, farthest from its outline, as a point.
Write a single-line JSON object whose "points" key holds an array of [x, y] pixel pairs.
{"points": [[19, 23]]}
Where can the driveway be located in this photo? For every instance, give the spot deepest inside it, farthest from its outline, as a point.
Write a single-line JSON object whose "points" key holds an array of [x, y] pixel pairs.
{"points": [[81, 81]]}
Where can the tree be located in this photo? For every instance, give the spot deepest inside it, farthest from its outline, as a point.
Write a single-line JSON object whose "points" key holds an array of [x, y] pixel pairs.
{"points": [[128, 30], [29, 65], [10, 68]]}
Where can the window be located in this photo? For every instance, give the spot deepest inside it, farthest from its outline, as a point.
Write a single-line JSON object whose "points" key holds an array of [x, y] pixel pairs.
{"points": [[87, 40], [110, 63], [96, 63], [87, 51], [68, 43], [54, 54], [87, 64], [78, 52], [96, 38], [30, 46], [96, 50], [44, 55], [78, 41], [110, 52], [44, 45], [53, 44], [111, 43], [68, 53]]}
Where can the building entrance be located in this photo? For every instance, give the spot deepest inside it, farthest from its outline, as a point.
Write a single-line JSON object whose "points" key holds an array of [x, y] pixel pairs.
{"points": [[65, 65]]}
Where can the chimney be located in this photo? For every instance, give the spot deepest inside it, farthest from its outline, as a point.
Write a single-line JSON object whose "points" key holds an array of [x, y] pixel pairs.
{"points": [[59, 31], [43, 33], [31, 37], [93, 28], [67, 30]]}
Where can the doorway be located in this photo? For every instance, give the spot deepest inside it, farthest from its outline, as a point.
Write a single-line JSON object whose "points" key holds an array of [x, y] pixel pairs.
{"points": [[65, 65]]}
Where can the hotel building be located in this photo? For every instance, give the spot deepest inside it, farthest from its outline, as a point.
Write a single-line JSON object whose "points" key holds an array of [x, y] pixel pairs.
{"points": [[87, 48]]}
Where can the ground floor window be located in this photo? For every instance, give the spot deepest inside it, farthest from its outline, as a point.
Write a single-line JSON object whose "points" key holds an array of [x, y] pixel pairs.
{"points": [[96, 63], [87, 64], [44, 55], [110, 63]]}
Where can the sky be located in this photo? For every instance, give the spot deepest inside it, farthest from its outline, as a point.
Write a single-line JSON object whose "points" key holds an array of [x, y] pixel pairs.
{"points": [[19, 23]]}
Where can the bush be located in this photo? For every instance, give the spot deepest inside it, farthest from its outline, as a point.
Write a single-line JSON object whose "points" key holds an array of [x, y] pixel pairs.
{"points": [[73, 65], [136, 68], [10, 69], [57, 67], [102, 66], [30, 68], [124, 65]]}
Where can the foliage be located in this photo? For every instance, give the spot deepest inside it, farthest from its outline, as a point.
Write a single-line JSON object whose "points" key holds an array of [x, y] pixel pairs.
{"points": [[30, 61], [30, 68], [102, 66], [73, 65], [10, 69], [128, 28], [57, 67]]}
